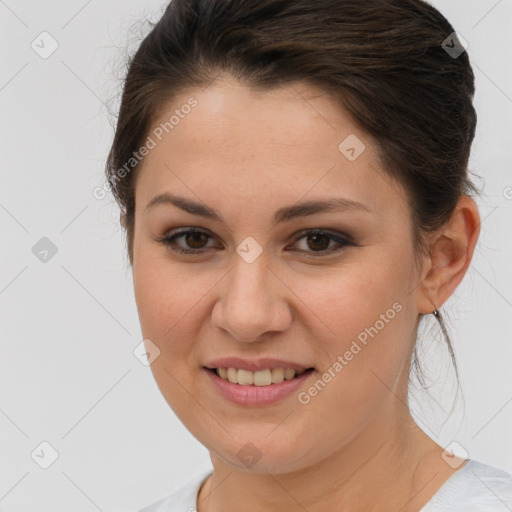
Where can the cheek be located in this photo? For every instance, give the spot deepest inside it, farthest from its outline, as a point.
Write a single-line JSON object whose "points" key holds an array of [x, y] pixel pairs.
{"points": [[170, 303], [163, 298], [367, 340], [346, 302]]}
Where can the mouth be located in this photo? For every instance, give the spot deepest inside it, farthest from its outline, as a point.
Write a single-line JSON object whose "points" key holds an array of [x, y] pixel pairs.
{"points": [[260, 378], [257, 389]]}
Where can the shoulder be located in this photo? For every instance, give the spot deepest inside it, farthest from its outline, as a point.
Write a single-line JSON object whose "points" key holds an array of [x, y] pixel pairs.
{"points": [[476, 487], [183, 500]]}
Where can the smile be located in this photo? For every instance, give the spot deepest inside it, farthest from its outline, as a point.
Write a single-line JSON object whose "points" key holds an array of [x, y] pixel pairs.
{"points": [[265, 377], [261, 391]]}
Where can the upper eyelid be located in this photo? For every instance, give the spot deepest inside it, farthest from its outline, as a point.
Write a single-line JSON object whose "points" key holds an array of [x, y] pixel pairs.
{"points": [[301, 232]]}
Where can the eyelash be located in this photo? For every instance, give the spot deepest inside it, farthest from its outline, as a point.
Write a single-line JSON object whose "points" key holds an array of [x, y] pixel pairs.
{"points": [[170, 242]]}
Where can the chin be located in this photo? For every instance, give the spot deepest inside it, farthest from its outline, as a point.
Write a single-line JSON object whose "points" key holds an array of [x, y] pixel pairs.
{"points": [[260, 453]]}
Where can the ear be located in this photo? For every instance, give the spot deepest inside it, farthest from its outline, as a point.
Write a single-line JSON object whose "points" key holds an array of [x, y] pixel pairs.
{"points": [[451, 250]]}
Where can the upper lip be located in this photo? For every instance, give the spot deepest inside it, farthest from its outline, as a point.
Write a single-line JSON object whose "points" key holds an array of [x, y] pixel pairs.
{"points": [[255, 364]]}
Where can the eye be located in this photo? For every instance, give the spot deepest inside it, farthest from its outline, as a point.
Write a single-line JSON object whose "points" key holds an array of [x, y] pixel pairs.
{"points": [[193, 237], [318, 240]]}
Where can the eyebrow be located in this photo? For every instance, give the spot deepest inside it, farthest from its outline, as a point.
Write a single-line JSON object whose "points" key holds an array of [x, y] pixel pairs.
{"points": [[284, 214]]}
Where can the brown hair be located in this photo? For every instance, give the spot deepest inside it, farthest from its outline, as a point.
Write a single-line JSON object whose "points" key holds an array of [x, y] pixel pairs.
{"points": [[383, 60]]}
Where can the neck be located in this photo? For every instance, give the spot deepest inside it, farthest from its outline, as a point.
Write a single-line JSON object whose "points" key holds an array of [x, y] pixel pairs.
{"points": [[389, 465]]}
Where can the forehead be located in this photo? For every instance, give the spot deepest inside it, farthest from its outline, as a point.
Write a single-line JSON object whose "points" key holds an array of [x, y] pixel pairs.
{"points": [[280, 144]]}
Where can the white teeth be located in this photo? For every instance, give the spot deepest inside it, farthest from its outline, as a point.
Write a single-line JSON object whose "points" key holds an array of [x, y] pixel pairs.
{"points": [[232, 375], [277, 375], [262, 378], [289, 373], [258, 378], [245, 377]]}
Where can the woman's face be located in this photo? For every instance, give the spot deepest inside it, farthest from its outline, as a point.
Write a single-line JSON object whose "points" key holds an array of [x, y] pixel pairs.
{"points": [[343, 302]]}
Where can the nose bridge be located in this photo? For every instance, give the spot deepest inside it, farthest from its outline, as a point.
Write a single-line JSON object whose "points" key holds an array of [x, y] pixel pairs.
{"points": [[250, 278], [250, 304]]}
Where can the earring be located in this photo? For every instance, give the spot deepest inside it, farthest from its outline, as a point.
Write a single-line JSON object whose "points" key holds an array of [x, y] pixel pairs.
{"points": [[439, 318]]}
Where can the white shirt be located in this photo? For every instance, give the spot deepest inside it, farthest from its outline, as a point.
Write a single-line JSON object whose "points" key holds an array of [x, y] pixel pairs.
{"points": [[476, 487]]}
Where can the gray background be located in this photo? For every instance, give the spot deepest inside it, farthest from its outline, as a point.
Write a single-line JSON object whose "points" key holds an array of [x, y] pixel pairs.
{"points": [[69, 325]]}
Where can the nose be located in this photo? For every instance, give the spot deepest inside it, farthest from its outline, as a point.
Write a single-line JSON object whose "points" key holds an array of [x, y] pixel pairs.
{"points": [[252, 302]]}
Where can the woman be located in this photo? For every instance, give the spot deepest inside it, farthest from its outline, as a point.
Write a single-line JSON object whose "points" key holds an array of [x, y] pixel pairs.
{"points": [[293, 182]]}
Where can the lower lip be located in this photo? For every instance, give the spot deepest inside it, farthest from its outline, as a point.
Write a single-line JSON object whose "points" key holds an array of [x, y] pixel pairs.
{"points": [[257, 395]]}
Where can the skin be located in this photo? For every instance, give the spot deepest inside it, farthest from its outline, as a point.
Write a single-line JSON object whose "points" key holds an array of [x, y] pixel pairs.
{"points": [[354, 447]]}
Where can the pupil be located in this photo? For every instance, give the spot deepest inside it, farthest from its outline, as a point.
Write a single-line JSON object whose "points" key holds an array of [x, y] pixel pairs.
{"points": [[194, 237], [316, 237]]}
